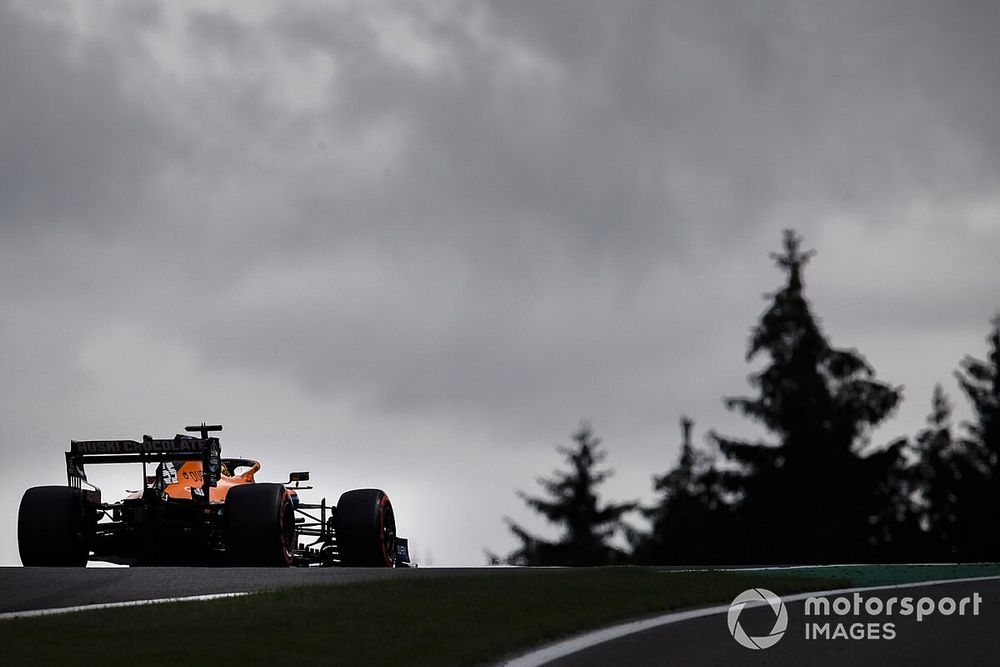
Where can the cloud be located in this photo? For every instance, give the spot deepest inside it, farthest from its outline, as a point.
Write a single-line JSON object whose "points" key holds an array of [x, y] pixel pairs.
{"points": [[459, 228]]}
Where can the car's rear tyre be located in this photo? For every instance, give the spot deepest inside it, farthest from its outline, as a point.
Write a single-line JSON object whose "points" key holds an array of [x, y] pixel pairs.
{"points": [[366, 529], [260, 525], [53, 527]]}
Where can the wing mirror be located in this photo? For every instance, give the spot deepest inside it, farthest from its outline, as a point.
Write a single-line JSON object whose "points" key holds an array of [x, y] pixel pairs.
{"points": [[297, 478]]}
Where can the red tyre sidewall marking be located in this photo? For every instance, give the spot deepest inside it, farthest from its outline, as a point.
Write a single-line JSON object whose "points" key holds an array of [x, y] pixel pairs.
{"points": [[285, 553], [383, 501]]}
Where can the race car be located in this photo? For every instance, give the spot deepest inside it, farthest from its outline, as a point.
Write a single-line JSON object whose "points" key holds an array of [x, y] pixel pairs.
{"points": [[200, 508]]}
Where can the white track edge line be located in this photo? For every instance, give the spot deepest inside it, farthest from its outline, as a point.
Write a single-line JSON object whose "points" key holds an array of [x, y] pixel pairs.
{"points": [[572, 645], [29, 613], [765, 568]]}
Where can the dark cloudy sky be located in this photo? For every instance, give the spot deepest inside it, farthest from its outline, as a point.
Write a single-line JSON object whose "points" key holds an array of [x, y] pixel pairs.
{"points": [[412, 245]]}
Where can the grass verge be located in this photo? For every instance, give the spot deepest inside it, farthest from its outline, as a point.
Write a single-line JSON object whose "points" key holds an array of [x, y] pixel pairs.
{"points": [[411, 621], [887, 575]]}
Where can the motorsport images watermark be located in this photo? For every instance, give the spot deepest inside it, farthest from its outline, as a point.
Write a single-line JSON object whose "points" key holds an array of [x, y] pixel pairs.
{"points": [[878, 609], [822, 612]]}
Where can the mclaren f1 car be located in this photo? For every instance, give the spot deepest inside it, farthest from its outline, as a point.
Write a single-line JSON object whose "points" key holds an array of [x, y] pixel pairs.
{"points": [[197, 507]]}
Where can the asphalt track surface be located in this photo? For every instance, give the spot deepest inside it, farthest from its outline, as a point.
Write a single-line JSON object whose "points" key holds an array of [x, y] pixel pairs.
{"points": [[706, 641]]}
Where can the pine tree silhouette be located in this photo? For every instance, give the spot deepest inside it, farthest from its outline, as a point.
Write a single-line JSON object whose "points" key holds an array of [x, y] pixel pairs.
{"points": [[920, 520], [811, 496], [980, 380], [573, 503], [690, 522], [979, 515]]}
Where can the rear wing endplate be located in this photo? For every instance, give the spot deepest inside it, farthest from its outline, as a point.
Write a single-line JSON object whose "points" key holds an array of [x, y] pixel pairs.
{"points": [[180, 448]]}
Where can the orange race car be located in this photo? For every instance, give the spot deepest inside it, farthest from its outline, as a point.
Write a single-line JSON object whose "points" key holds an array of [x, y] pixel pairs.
{"points": [[198, 508]]}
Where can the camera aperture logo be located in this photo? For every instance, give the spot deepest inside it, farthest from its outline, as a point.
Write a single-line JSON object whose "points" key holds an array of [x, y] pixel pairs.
{"points": [[756, 597]]}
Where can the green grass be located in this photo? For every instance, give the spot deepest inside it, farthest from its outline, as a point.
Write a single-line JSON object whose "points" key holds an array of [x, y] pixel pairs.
{"points": [[406, 621], [885, 575]]}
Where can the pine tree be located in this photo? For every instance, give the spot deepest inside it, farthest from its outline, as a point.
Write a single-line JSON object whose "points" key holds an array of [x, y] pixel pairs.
{"points": [[980, 380], [933, 486], [811, 496], [690, 520], [573, 503], [980, 489]]}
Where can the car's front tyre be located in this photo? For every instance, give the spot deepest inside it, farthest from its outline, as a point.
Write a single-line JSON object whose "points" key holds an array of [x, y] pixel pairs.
{"points": [[366, 529]]}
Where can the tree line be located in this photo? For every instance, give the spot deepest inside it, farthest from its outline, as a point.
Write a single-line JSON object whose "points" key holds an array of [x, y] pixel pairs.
{"points": [[817, 490]]}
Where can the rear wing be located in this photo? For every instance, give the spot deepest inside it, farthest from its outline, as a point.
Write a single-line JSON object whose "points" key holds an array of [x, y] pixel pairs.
{"points": [[180, 448]]}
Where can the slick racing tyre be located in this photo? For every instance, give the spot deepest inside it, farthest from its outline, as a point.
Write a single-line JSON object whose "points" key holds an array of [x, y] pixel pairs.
{"points": [[53, 527], [260, 525], [366, 529]]}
